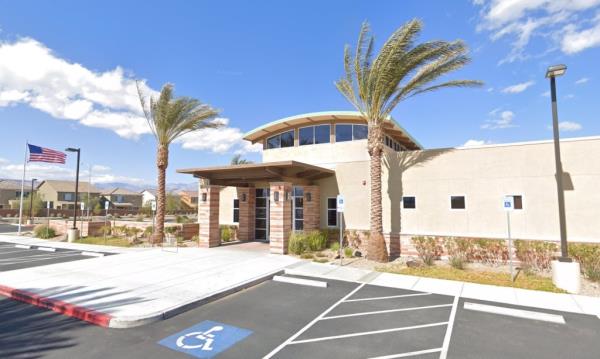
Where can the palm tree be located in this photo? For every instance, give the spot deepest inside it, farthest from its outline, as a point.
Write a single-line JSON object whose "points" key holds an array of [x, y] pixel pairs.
{"points": [[238, 160], [402, 69], [170, 118]]}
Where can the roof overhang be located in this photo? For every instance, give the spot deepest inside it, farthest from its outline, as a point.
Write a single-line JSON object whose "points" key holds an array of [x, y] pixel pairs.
{"points": [[252, 173], [391, 127]]}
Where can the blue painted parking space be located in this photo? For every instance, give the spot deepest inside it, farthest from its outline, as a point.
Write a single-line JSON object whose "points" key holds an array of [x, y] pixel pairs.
{"points": [[206, 339]]}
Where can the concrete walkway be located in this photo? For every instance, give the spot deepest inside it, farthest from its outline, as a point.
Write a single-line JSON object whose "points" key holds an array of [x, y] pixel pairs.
{"points": [[136, 287], [515, 296]]}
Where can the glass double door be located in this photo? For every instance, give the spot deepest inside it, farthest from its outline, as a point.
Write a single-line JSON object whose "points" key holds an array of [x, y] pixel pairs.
{"points": [[261, 219]]}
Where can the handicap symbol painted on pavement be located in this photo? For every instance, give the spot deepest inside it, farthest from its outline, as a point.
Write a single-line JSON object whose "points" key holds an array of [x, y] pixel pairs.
{"points": [[205, 340]]}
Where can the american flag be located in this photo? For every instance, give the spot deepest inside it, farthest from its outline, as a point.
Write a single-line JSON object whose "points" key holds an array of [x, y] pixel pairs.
{"points": [[41, 154]]}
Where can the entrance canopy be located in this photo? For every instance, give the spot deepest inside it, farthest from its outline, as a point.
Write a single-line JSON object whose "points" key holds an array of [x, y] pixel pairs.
{"points": [[252, 173]]}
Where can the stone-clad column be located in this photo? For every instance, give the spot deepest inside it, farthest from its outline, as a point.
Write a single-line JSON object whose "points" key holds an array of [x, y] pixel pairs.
{"points": [[312, 208], [280, 217], [247, 200], [208, 216]]}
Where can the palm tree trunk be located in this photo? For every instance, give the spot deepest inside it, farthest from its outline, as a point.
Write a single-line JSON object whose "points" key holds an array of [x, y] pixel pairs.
{"points": [[376, 249], [162, 161]]}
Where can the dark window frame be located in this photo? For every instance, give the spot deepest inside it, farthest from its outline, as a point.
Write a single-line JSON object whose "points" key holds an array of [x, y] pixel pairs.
{"points": [[414, 202], [453, 203], [332, 209], [236, 210]]}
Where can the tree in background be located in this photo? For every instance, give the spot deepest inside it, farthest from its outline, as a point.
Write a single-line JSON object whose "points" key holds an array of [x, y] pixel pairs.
{"points": [[170, 118], [173, 203], [374, 86], [238, 160], [38, 205]]}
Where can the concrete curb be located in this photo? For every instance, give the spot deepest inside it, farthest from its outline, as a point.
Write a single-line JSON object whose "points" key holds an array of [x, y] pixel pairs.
{"points": [[58, 306]]}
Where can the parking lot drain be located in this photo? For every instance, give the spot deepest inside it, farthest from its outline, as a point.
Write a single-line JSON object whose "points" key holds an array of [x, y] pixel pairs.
{"points": [[46, 249], [519, 313], [387, 297], [300, 281], [373, 332], [387, 311], [409, 354], [22, 246], [92, 254]]}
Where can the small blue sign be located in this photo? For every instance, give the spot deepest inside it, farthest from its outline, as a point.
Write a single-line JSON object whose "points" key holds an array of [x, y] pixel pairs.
{"points": [[205, 340]]}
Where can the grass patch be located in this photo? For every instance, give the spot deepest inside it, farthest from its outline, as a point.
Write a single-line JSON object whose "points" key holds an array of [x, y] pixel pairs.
{"points": [[492, 278], [321, 260], [110, 241], [306, 256]]}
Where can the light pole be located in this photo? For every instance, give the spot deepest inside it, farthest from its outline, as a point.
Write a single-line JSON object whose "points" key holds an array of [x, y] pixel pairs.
{"points": [[565, 272], [74, 232], [31, 200]]}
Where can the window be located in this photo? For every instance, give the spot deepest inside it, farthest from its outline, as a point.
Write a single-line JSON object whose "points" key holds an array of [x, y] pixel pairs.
{"points": [[119, 199], [306, 135], [518, 201], [236, 210], [331, 212], [68, 196], [409, 202], [343, 133], [360, 132], [322, 134], [285, 139], [457, 202]]}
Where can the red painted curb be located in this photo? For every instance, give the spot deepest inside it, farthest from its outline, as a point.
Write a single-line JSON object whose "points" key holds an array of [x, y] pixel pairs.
{"points": [[58, 306]]}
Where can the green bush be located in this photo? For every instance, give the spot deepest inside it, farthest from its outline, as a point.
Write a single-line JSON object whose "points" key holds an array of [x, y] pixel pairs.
{"points": [[535, 254], [315, 240], [105, 230], [307, 256], [348, 252], [335, 246], [296, 244], [428, 248], [43, 231], [490, 251], [588, 256], [459, 251], [225, 234], [148, 231]]}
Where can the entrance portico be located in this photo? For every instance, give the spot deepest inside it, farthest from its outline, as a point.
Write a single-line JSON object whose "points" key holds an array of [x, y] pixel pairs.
{"points": [[273, 199]]}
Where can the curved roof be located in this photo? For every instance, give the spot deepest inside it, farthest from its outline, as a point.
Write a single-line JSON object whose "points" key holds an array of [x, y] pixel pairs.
{"points": [[392, 128]]}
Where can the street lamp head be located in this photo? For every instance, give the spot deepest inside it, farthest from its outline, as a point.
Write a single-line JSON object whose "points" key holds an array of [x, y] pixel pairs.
{"points": [[71, 149], [556, 71]]}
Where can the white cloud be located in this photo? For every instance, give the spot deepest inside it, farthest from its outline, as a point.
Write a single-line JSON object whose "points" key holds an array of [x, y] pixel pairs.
{"points": [[44, 171], [559, 21], [475, 143], [31, 74], [518, 87], [546, 94], [490, 89], [499, 120], [569, 96], [582, 80], [568, 126], [3, 160], [219, 140]]}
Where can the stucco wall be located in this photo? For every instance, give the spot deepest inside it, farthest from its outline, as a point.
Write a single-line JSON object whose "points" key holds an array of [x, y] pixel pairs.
{"points": [[324, 154]]}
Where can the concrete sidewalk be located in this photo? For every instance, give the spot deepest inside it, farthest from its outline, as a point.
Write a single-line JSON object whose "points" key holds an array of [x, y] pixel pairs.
{"points": [[30, 241], [137, 287], [531, 298]]}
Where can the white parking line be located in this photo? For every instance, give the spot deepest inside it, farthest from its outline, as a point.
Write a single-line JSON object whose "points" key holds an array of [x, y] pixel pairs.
{"points": [[14, 251], [29, 259], [289, 340], [300, 281], [387, 297], [409, 354], [386, 311], [446, 344], [92, 254], [47, 249], [512, 312], [22, 246], [312, 340]]}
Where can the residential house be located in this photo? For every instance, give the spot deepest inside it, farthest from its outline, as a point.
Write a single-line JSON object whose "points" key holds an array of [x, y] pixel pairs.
{"points": [[10, 191], [61, 194], [122, 198], [189, 199], [148, 196]]}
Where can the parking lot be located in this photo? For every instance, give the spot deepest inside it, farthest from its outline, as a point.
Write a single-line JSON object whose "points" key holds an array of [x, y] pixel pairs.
{"points": [[13, 256], [285, 320]]}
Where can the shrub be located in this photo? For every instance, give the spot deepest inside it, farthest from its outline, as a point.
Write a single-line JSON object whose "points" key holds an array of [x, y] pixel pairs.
{"points": [[490, 251], [307, 256], [348, 252], [535, 254], [182, 219], [225, 234], [315, 240], [588, 256], [321, 260], [43, 231], [171, 229], [105, 230], [296, 244], [148, 231], [427, 248], [335, 246], [459, 251]]}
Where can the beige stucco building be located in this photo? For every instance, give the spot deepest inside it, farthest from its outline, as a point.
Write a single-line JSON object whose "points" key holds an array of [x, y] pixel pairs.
{"points": [[311, 158], [61, 194], [122, 198]]}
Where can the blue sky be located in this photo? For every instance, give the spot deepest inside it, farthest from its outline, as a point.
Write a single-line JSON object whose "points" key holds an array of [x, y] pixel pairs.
{"points": [[67, 70]]}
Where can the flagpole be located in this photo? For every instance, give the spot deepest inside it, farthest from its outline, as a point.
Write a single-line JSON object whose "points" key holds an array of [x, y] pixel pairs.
{"points": [[23, 186]]}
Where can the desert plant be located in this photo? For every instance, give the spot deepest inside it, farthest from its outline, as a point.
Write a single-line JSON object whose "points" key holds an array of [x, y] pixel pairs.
{"points": [[588, 256], [43, 231], [148, 231], [335, 246], [225, 233], [459, 251], [105, 230], [535, 255], [307, 256], [428, 248], [491, 251], [375, 86], [170, 118], [296, 243], [348, 252], [315, 240]]}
